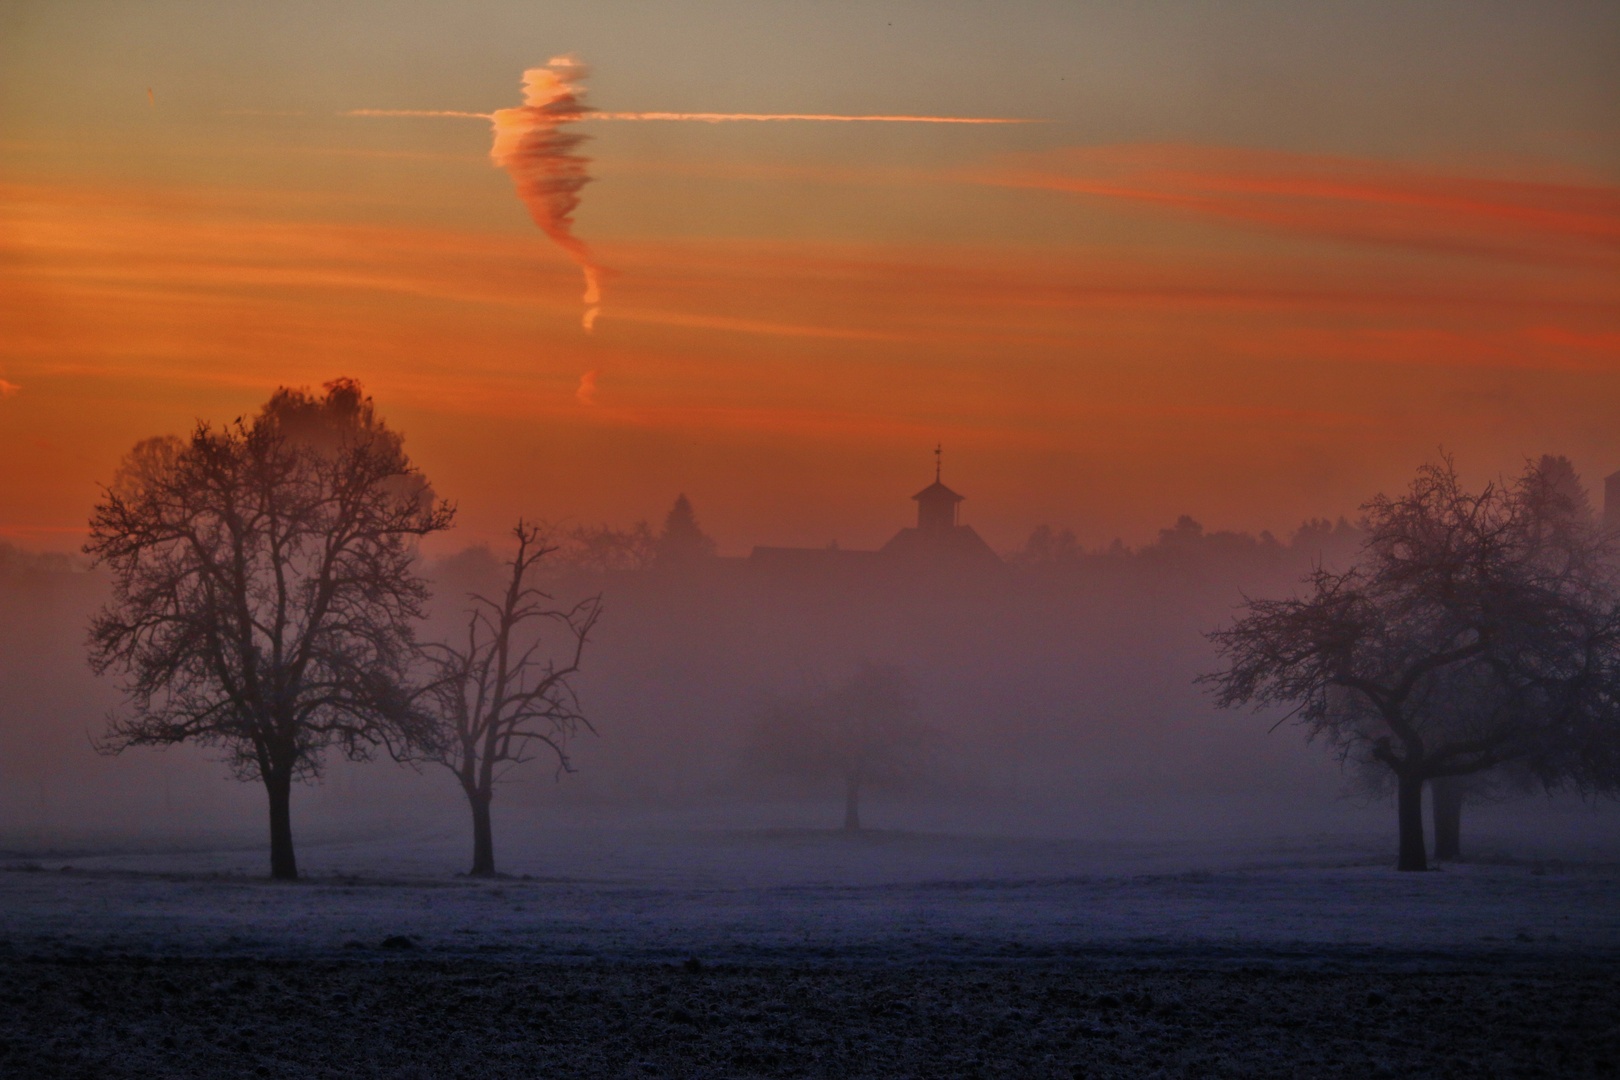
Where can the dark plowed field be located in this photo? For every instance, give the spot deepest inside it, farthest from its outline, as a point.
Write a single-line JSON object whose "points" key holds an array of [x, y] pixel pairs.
{"points": [[406, 1015]]}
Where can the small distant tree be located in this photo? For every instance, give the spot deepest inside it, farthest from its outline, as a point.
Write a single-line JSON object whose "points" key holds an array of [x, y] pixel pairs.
{"points": [[1474, 630], [507, 689], [602, 548], [264, 591], [682, 539], [1045, 547], [862, 733]]}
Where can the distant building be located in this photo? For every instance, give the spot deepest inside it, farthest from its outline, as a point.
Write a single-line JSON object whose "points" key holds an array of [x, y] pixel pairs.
{"points": [[938, 540], [938, 537]]}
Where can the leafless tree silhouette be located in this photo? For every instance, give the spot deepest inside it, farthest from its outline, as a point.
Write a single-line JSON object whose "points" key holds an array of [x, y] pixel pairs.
{"points": [[1476, 629], [264, 593], [503, 693], [863, 733], [604, 549]]}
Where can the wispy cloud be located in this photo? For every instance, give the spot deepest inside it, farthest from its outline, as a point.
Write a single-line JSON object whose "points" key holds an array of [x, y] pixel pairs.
{"points": [[1160, 351], [1359, 200], [147, 259], [1224, 365]]}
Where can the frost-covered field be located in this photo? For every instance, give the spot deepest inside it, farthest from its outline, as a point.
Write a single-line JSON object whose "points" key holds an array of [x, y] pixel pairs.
{"points": [[733, 894], [704, 952]]}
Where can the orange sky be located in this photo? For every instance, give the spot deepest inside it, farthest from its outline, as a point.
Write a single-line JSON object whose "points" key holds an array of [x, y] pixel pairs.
{"points": [[1148, 306]]}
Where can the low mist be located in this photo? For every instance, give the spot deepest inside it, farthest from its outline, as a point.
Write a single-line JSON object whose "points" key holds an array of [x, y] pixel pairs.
{"points": [[1057, 687]]}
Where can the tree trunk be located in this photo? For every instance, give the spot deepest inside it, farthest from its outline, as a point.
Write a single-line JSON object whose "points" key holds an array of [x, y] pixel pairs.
{"points": [[1409, 797], [1445, 805], [483, 864], [278, 786], [852, 803]]}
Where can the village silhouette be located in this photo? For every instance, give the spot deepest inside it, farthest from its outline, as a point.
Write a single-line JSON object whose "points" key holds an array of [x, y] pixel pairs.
{"points": [[939, 541]]}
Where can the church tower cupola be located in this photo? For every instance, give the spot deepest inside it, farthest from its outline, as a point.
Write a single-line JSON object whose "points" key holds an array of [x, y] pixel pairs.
{"points": [[936, 503]]}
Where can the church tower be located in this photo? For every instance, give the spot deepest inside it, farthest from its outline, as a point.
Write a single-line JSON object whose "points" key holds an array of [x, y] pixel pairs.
{"points": [[938, 544], [936, 503], [940, 540]]}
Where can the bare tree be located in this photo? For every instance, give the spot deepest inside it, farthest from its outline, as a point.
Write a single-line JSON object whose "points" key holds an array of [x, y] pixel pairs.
{"points": [[503, 693], [1475, 629], [862, 733], [604, 549], [1045, 548], [264, 593], [1560, 526]]}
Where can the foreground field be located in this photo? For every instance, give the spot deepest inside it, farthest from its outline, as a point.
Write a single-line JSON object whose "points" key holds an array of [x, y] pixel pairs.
{"points": [[422, 1018], [796, 953]]}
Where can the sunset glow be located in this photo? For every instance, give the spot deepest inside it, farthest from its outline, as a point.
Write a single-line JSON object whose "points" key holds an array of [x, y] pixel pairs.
{"points": [[1167, 296], [754, 538]]}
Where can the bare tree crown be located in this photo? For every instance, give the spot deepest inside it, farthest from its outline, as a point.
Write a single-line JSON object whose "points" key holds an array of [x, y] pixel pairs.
{"points": [[1476, 628], [507, 687], [867, 726], [264, 592]]}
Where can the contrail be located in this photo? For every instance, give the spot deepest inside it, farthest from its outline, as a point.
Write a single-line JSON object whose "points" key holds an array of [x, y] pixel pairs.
{"points": [[719, 118], [540, 157], [532, 147], [417, 112]]}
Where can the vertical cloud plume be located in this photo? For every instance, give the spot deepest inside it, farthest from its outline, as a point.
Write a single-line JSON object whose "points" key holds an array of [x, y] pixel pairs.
{"points": [[533, 147], [586, 394]]}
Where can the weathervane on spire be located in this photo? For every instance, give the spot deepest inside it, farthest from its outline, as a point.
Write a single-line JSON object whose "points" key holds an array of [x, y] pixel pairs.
{"points": [[939, 449]]}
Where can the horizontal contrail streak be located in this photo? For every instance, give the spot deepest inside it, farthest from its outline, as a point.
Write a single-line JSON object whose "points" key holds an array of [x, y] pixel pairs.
{"points": [[417, 112], [720, 118], [715, 118]]}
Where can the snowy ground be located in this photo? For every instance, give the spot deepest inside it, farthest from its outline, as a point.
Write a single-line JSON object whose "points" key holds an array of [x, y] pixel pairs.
{"points": [[710, 952], [644, 894]]}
